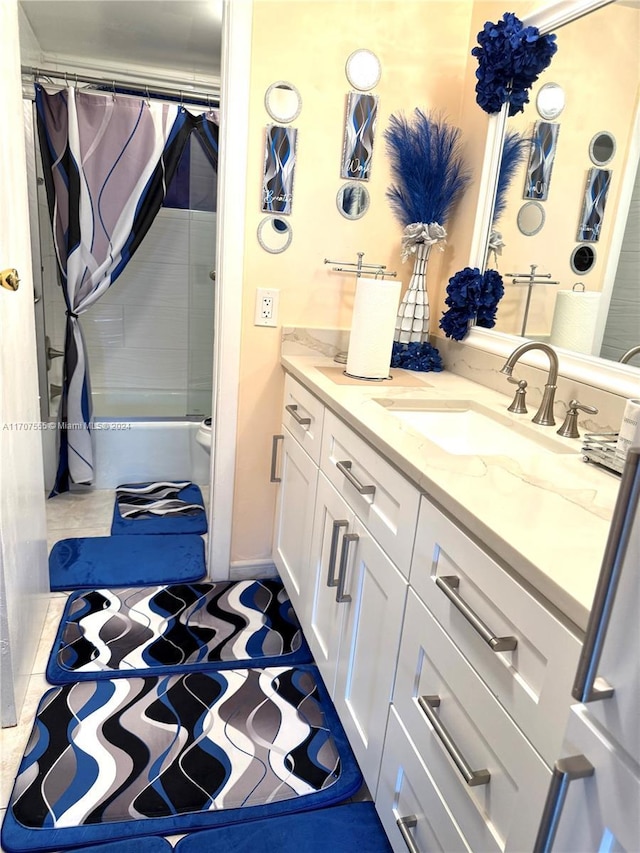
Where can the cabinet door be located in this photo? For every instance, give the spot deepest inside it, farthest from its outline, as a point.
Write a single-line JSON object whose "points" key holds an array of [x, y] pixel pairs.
{"points": [[323, 627], [595, 802], [294, 521], [374, 597]]}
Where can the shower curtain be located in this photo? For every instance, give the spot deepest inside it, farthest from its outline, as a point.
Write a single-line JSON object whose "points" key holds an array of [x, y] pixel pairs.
{"points": [[108, 161]]}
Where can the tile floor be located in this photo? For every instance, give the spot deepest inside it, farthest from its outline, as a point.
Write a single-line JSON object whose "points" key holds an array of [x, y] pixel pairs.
{"points": [[71, 514]]}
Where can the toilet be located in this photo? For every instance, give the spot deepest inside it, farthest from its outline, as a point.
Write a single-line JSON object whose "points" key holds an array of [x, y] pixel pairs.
{"points": [[203, 436]]}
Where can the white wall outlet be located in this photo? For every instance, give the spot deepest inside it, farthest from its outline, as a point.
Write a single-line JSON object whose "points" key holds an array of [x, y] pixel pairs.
{"points": [[266, 307]]}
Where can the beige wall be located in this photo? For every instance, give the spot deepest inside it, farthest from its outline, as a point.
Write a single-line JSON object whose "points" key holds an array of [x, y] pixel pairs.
{"points": [[423, 48], [597, 66]]}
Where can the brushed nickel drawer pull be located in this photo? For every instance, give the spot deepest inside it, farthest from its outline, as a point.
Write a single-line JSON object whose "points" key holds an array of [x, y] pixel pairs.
{"points": [[471, 777], [347, 539], [333, 553], [565, 770], [274, 458], [293, 411], [345, 468], [404, 824], [449, 585]]}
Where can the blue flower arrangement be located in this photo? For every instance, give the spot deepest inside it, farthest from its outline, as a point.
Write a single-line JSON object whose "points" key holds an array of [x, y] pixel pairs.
{"points": [[510, 59], [416, 356], [471, 295], [427, 168]]}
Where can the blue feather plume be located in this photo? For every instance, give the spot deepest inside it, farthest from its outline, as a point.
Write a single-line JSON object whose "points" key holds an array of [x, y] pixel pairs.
{"points": [[513, 153], [427, 166]]}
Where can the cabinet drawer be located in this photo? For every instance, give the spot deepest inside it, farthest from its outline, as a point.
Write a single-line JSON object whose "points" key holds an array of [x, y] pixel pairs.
{"points": [[302, 414], [492, 779], [386, 503], [406, 793], [533, 681]]}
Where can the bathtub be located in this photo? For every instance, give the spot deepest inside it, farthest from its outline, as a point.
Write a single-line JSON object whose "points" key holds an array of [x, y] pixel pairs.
{"points": [[153, 444]]}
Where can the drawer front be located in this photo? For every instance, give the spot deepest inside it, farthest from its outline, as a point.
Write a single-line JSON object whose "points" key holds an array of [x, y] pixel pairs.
{"points": [[386, 503], [302, 414], [533, 681], [407, 795], [490, 776]]}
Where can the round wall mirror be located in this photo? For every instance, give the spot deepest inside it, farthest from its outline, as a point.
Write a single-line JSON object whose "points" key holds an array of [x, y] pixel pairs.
{"points": [[363, 69], [582, 259], [274, 234], [602, 148], [353, 200], [530, 218], [282, 101], [550, 101]]}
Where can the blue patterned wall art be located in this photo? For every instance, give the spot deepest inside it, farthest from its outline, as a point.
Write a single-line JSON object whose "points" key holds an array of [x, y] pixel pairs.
{"points": [[541, 157], [359, 132], [279, 165], [595, 199]]}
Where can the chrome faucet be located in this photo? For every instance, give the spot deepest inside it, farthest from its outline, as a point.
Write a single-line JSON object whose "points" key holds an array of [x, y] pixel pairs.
{"points": [[544, 415], [629, 354]]}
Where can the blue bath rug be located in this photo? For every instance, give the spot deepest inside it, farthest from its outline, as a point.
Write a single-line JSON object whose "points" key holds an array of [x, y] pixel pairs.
{"points": [[109, 633], [116, 759], [149, 844], [160, 507], [350, 828], [97, 561]]}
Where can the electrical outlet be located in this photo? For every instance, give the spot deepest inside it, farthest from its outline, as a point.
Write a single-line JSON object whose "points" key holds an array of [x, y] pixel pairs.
{"points": [[266, 307]]}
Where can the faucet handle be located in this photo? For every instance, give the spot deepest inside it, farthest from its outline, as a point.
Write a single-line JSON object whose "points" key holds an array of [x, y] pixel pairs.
{"points": [[518, 406], [569, 428]]}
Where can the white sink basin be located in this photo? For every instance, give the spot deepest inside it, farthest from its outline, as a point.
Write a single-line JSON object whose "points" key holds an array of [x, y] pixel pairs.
{"points": [[465, 428]]}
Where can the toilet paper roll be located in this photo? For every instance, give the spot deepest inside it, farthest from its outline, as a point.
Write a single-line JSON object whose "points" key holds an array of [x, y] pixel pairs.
{"points": [[629, 434], [574, 320], [372, 328]]}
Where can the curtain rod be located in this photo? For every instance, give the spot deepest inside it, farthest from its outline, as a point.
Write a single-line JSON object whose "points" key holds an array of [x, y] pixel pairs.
{"points": [[184, 96]]}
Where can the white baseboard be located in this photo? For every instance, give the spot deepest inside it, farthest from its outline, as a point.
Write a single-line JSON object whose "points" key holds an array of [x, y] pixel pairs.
{"points": [[241, 570]]}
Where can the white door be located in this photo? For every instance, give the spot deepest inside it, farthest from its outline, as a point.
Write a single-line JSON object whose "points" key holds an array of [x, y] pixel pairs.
{"points": [[373, 593], [323, 624], [294, 521], [24, 581]]}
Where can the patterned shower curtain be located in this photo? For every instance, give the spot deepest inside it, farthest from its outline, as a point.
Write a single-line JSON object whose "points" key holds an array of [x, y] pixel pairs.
{"points": [[108, 161]]}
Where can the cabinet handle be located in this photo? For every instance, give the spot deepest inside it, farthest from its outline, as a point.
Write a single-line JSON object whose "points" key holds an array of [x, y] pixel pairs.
{"points": [[274, 458], [566, 770], [347, 539], [345, 468], [331, 574], [293, 411], [449, 585], [471, 777], [588, 686], [404, 824]]}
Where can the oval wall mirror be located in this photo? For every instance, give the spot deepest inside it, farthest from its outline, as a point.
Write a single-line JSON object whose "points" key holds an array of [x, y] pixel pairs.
{"points": [[353, 200], [550, 101], [363, 69], [282, 101], [530, 218], [602, 148], [582, 259], [274, 234]]}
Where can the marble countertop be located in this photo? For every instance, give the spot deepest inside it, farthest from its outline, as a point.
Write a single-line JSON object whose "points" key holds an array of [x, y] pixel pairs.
{"points": [[545, 515]]}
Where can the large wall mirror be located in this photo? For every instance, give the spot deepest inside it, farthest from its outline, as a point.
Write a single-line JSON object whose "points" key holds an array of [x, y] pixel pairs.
{"points": [[584, 29]]}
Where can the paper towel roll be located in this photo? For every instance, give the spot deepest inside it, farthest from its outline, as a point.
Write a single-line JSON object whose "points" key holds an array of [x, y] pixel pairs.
{"points": [[574, 320], [629, 434], [372, 328]]}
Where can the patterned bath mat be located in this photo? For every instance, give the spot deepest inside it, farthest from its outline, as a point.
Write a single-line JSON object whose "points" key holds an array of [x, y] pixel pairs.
{"points": [[113, 759], [97, 561], [160, 507], [349, 828], [106, 633]]}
